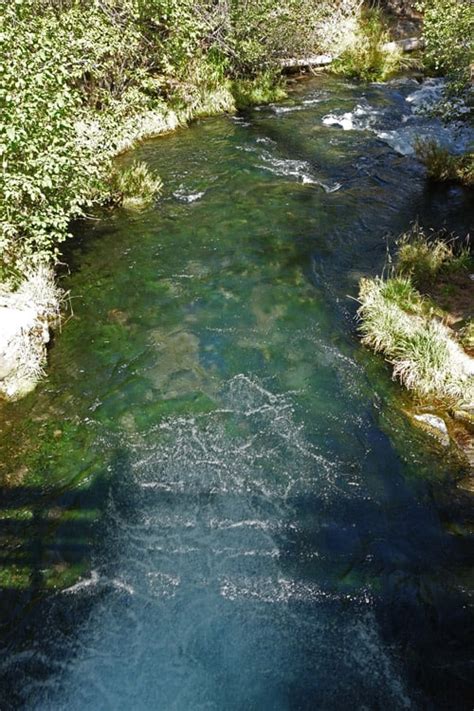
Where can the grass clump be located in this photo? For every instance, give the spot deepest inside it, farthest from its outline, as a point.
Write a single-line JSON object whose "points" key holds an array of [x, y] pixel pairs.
{"points": [[443, 166], [264, 89], [425, 357], [134, 186], [367, 58], [422, 258]]}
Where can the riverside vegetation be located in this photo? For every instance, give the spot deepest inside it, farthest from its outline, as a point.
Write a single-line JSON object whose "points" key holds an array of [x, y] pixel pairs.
{"points": [[420, 316], [82, 82]]}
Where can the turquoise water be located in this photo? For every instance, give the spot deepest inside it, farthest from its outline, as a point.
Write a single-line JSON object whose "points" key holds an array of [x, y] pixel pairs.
{"points": [[214, 501]]}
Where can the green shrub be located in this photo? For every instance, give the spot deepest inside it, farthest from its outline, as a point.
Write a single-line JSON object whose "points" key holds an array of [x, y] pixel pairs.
{"points": [[45, 179], [74, 73], [448, 30], [443, 166], [134, 186]]}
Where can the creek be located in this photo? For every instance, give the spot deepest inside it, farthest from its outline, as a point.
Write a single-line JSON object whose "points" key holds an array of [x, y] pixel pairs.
{"points": [[214, 500]]}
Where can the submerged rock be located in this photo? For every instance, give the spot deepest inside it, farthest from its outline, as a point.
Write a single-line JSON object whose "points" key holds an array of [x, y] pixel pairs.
{"points": [[435, 426]]}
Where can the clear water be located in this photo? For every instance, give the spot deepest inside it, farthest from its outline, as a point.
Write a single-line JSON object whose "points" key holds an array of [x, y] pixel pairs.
{"points": [[215, 501]]}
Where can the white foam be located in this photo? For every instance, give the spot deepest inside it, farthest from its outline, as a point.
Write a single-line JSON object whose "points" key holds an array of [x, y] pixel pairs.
{"points": [[184, 196]]}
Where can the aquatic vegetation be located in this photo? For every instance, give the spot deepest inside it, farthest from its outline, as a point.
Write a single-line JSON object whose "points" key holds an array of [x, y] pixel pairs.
{"points": [[264, 89], [425, 356], [443, 166], [134, 186], [422, 257]]}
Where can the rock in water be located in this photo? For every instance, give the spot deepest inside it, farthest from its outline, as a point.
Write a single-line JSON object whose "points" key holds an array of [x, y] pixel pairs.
{"points": [[435, 426]]}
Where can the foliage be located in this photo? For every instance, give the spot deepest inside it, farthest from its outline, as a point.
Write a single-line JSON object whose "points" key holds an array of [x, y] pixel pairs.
{"points": [[422, 257], [366, 58], [134, 186], [442, 166], [448, 30], [76, 75], [45, 179]]}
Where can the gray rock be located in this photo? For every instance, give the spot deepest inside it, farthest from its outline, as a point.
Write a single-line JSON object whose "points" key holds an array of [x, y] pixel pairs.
{"points": [[435, 426]]}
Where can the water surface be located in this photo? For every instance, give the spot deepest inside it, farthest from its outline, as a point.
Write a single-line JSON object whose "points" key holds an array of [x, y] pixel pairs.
{"points": [[215, 501]]}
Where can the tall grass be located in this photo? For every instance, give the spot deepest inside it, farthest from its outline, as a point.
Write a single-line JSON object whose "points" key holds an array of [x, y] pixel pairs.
{"points": [[443, 166], [135, 186], [367, 58], [423, 257], [425, 357]]}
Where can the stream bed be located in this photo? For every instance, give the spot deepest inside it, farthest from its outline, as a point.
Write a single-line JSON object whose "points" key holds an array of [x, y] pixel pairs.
{"points": [[215, 501]]}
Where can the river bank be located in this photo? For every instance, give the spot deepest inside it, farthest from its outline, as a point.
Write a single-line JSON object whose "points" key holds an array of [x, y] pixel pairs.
{"points": [[420, 316]]}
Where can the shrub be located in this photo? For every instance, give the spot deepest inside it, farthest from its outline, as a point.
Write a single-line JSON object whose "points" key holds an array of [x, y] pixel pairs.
{"points": [[442, 166], [45, 179], [74, 73], [262, 32], [448, 29], [134, 186]]}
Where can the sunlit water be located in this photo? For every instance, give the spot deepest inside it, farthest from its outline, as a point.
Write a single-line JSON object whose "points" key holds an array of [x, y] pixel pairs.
{"points": [[215, 501]]}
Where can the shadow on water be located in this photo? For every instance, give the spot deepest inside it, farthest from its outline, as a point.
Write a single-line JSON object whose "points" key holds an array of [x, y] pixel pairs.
{"points": [[50, 540]]}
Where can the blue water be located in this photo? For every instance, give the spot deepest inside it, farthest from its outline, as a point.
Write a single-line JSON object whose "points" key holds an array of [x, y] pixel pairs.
{"points": [[215, 500]]}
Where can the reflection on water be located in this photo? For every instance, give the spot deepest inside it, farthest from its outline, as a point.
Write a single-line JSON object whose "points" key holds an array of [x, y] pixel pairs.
{"points": [[214, 501]]}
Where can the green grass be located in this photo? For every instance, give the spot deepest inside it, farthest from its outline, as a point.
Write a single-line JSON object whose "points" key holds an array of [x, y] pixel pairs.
{"points": [[442, 166], [423, 257], [134, 186], [426, 359], [264, 89], [366, 58]]}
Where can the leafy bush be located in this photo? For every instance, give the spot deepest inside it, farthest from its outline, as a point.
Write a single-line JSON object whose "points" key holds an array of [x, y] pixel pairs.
{"points": [[442, 166], [45, 178], [448, 29], [73, 74]]}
